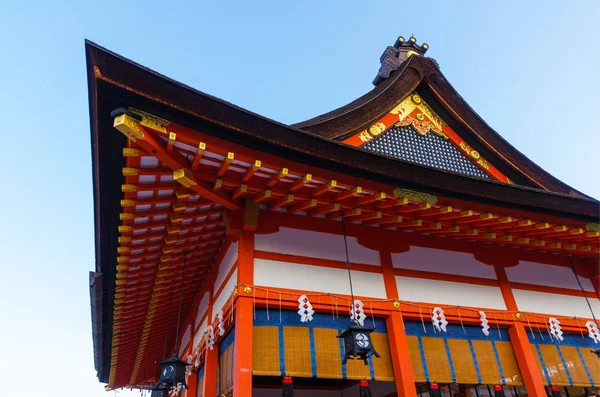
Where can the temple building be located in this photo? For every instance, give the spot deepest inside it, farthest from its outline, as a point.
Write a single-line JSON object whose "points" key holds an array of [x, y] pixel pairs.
{"points": [[396, 246]]}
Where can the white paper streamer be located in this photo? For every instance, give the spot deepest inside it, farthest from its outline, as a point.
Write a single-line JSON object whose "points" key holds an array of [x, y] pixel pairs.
{"points": [[555, 330], [358, 313], [305, 309], [485, 328], [439, 319], [593, 331]]}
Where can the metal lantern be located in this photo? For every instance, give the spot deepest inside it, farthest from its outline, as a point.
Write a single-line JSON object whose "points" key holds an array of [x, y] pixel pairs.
{"points": [[357, 338], [172, 372], [357, 343]]}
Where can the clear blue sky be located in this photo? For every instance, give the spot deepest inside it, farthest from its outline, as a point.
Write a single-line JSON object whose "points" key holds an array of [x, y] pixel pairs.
{"points": [[529, 68]]}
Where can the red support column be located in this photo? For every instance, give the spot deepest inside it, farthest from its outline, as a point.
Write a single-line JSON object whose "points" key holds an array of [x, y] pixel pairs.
{"points": [[192, 382], [242, 361], [403, 373], [520, 343], [211, 368]]}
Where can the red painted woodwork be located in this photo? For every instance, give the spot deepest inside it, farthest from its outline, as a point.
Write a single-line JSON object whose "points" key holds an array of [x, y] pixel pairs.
{"points": [[242, 360], [403, 372], [526, 360]]}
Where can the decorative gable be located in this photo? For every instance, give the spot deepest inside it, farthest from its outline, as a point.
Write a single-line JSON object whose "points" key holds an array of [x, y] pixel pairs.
{"points": [[431, 150], [412, 131]]}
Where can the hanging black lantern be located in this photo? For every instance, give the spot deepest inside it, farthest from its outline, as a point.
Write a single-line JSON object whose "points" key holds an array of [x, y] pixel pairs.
{"points": [[365, 390], [357, 338], [434, 390], [499, 391], [288, 387], [172, 372], [357, 343]]}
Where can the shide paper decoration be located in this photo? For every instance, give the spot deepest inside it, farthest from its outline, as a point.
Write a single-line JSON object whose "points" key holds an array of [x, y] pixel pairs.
{"points": [[305, 309], [221, 325], [210, 337], [485, 328], [357, 313], [593, 331], [555, 330], [439, 319]]}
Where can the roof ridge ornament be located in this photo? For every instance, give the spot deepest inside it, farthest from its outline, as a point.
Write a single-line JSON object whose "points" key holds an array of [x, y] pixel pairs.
{"points": [[393, 56]]}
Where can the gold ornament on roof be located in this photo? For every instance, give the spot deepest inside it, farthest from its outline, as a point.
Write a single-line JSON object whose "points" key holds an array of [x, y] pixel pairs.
{"points": [[474, 154], [592, 227], [424, 121], [376, 129], [413, 195], [151, 121]]}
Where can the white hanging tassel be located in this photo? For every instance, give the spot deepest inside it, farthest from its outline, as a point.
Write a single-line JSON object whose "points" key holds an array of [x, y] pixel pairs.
{"points": [[188, 368], [555, 329], [439, 319], [305, 309], [210, 337], [221, 326], [357, 313], [485, 328], [593, 331], [197, 356], [176, 390]]}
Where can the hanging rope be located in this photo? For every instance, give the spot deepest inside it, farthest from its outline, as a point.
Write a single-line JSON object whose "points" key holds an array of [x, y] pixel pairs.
{"points": [[349, 272], [180, 304], [581, 286], [460, 319], [422, 321], [167, 329]]}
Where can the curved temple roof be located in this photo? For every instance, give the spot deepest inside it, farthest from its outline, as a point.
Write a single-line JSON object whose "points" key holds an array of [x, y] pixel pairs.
{"points": [[124, 187], [421, 74]]}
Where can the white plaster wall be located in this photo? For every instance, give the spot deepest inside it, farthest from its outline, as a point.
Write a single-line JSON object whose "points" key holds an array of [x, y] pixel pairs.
{"points": [[442, 261], [563, 305], [315, 245], [315, 278], [226, 264], [449, 293], [185, 339], [225, 294], [549, 275], [202, 308], [201, 330]]}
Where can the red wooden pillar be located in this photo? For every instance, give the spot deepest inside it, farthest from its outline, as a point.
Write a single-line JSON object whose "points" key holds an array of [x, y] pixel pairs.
{"points": [[192, 382], [403, 373], [242, 360], [520, 343], [211, 369]]}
